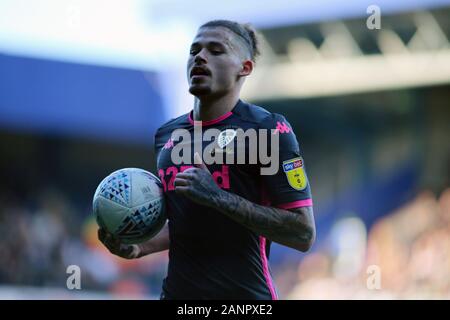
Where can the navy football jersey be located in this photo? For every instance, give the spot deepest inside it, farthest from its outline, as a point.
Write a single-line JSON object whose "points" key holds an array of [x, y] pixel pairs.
{"points": [[210, 255]]}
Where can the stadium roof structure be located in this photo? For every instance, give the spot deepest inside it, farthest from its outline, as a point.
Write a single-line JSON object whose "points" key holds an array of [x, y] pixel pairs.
{"points": [[342, 57]]}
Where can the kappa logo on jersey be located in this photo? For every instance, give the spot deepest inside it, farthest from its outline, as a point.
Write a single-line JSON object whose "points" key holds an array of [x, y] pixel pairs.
{"points": [[225, 137], [295, 173], [169, 144], [281, 128]]}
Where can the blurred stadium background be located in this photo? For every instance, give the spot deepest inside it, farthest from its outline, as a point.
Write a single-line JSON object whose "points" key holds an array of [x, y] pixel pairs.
{"points": [[84, 85]]}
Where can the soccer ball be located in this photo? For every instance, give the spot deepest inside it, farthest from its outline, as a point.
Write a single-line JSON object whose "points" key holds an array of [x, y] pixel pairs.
{"points": [[129, 203]]}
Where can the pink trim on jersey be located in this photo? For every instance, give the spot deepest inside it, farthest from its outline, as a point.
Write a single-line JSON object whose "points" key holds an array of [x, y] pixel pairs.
{"points": [[296, 204], [265, 264], [210, 122]]}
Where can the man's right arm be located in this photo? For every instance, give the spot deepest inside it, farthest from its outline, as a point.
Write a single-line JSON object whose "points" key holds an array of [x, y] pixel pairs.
{"points": [[158, 243]]}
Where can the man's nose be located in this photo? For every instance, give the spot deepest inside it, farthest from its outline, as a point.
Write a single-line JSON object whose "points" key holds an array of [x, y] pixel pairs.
{"points": [[200, 57]]}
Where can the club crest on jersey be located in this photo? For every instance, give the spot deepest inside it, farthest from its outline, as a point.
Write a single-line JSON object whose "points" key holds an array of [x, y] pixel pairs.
{"points": [[225, 137], [295, 173]]}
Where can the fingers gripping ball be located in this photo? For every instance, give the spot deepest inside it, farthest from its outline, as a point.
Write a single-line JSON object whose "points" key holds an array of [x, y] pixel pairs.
{"points": [[127, 251], [129, 204]]}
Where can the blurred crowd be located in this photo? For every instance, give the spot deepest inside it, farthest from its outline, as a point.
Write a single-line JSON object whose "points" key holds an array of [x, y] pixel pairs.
{"points": [[404, 255], [41, 237]]}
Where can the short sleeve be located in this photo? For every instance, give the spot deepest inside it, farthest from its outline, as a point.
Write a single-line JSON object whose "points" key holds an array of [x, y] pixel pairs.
{"points": [[288, 187]]}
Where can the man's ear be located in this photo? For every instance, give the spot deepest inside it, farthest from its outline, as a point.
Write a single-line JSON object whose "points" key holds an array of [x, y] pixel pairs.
{"points": [[247, 68]]}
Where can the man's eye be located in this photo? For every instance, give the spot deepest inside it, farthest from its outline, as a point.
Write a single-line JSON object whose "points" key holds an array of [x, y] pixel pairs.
{"points": [[216, 52], [194, 51]]}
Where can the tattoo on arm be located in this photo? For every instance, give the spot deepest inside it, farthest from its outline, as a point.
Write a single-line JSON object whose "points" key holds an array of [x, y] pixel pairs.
{"points": [[293, 228]]}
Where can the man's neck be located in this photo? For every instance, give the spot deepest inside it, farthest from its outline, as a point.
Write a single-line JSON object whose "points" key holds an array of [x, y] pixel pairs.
{"points": [[209, 109]]}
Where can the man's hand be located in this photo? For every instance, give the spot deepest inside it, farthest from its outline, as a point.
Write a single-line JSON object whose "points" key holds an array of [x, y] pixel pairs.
{"points": [[114, 246], [198, 184]]}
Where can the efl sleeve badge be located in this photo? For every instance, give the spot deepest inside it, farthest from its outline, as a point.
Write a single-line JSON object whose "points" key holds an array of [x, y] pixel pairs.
{"points": [[295, 173]]}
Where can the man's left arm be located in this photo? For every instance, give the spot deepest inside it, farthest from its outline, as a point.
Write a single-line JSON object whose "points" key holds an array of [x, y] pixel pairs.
{"points": [[294, 228]]}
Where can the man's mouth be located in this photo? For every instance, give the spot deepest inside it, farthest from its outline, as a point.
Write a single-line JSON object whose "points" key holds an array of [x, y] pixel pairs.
{"points": [[199, 71]]}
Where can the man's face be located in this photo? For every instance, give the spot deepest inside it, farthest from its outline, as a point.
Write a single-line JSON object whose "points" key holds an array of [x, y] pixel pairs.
{"points": [[214, 63]]}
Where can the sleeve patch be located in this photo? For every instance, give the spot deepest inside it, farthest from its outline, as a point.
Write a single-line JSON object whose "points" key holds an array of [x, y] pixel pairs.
{"points": [[295, 173]]}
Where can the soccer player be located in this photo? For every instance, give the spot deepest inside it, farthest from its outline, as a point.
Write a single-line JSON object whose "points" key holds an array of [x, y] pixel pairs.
{"points": [[223, 217]]}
